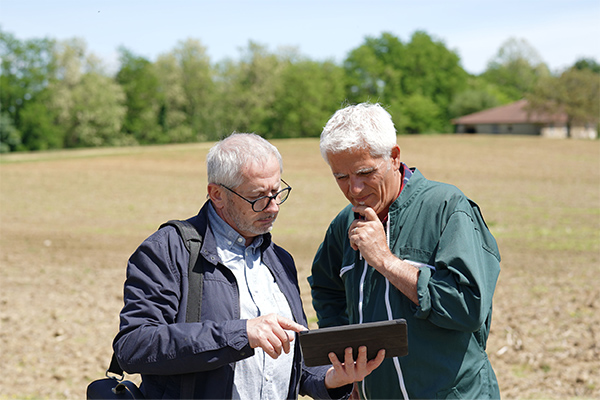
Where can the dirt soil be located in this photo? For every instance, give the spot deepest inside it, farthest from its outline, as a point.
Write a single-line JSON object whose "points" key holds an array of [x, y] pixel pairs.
{"points": [[70, 220]]}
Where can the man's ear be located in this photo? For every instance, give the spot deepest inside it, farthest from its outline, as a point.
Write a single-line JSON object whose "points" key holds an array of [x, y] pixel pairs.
{"points": [[216, 195], [395, 156]]}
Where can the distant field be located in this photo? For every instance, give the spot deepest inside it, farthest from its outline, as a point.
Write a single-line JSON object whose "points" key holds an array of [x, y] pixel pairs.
{"points": [[70, 219]]}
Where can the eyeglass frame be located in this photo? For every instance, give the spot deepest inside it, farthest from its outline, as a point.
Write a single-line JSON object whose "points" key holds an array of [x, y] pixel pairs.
{"points": [[271, 198]]}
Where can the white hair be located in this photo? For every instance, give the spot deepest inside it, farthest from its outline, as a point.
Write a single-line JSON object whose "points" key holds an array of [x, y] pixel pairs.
{"points": [[362, 126], [227, 157]]}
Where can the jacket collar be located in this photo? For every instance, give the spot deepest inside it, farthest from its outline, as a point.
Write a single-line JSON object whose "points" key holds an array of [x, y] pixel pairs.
{"points": [[411, 188]]}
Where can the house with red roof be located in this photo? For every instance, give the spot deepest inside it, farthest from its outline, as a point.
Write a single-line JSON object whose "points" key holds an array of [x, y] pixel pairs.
{"points": [[516, 119]]}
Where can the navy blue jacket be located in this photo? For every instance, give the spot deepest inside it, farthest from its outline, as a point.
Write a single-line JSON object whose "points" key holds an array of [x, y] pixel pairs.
{"points": [[155, 341]]}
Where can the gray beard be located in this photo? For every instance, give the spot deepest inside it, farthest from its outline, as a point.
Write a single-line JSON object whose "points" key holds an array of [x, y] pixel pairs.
{"points": [[244, 226]]}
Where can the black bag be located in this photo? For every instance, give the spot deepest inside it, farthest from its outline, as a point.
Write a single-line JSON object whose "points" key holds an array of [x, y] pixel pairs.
{"points": [[114, 387]]}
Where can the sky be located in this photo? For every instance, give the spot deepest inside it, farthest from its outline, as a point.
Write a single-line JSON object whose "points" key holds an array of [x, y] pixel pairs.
{"points": [[562, 31]]}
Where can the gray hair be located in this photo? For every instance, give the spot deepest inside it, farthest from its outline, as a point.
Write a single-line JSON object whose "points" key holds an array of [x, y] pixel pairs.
{"points": [[362, 126], [228, 156]]}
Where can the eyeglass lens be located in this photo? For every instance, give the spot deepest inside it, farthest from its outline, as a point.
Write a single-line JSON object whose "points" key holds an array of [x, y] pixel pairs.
{"points": [[263, 202]]}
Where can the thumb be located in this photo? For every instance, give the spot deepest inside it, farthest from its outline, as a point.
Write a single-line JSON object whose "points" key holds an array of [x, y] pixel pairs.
{"points": [[370, 214]]}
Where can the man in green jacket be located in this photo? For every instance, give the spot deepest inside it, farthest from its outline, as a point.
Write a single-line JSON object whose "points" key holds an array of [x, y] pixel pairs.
{"points": [[410, 248]]}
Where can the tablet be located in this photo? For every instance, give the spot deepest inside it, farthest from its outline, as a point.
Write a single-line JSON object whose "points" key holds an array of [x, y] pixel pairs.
{"points": [[388, 335]]}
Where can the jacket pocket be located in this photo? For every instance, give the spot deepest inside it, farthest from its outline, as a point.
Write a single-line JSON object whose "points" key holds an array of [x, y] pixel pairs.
{"points": [[475, 387]]}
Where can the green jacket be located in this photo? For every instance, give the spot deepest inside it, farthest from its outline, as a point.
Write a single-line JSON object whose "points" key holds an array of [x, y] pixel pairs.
{"points": [[435, 225]]}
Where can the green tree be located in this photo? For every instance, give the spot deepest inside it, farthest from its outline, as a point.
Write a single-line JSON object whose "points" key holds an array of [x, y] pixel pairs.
{"points": [[421, 73], [89, 106], [248, 90], [138, 79], [10, 137], [309, 93], [26, 67], [39, 128], [98, 113], [516, 68], [587, 63], [172, 115], [375, 70], [417, 114], [471, 101], [434, 72], [187, 87], [576, 92], [478, 95]]}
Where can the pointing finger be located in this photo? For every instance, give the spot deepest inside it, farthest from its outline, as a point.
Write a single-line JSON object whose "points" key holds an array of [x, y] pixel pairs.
{"points": [[286, 323]]}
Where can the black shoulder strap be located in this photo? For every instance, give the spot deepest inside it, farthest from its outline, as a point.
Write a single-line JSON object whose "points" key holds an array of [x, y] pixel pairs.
{"points": [[193, 242], [115, 368]]}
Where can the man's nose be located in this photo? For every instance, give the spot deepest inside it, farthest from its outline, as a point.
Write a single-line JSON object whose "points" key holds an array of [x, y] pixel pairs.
{"points": [[356, 185], [272, 207]]}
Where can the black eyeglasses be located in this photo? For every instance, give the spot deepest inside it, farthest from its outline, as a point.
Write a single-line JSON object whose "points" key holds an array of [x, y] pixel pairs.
{"points": [[263, 202]]}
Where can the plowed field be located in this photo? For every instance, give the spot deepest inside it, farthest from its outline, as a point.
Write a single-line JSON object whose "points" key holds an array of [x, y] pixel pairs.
{"points": [[69, 221]]}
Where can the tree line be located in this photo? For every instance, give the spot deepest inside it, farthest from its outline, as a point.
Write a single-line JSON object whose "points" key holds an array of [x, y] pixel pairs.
{"points": [[55, 94]]}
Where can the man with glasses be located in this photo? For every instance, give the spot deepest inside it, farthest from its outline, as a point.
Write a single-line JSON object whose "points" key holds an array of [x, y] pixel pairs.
{"points": [[243, 347], [406, 247]]}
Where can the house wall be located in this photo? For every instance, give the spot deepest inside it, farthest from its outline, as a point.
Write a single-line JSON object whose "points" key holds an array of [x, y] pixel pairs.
{"points": [[501, 129], [556, 132], [582, 132], [577, 132], [559, 132]]}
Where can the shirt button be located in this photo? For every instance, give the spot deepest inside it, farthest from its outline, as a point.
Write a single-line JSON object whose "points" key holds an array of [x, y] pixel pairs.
{"points": [[240, 240]]}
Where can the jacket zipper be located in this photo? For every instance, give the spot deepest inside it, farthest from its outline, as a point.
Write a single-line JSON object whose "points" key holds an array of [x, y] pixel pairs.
{"points": [[389, 315]]}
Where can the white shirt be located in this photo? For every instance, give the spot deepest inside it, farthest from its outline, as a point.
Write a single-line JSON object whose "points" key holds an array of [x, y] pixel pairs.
{"points": [[259, 376]]}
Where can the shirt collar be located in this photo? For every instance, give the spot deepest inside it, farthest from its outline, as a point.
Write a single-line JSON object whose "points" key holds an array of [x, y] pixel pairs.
{"points": [[230, 237]]}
